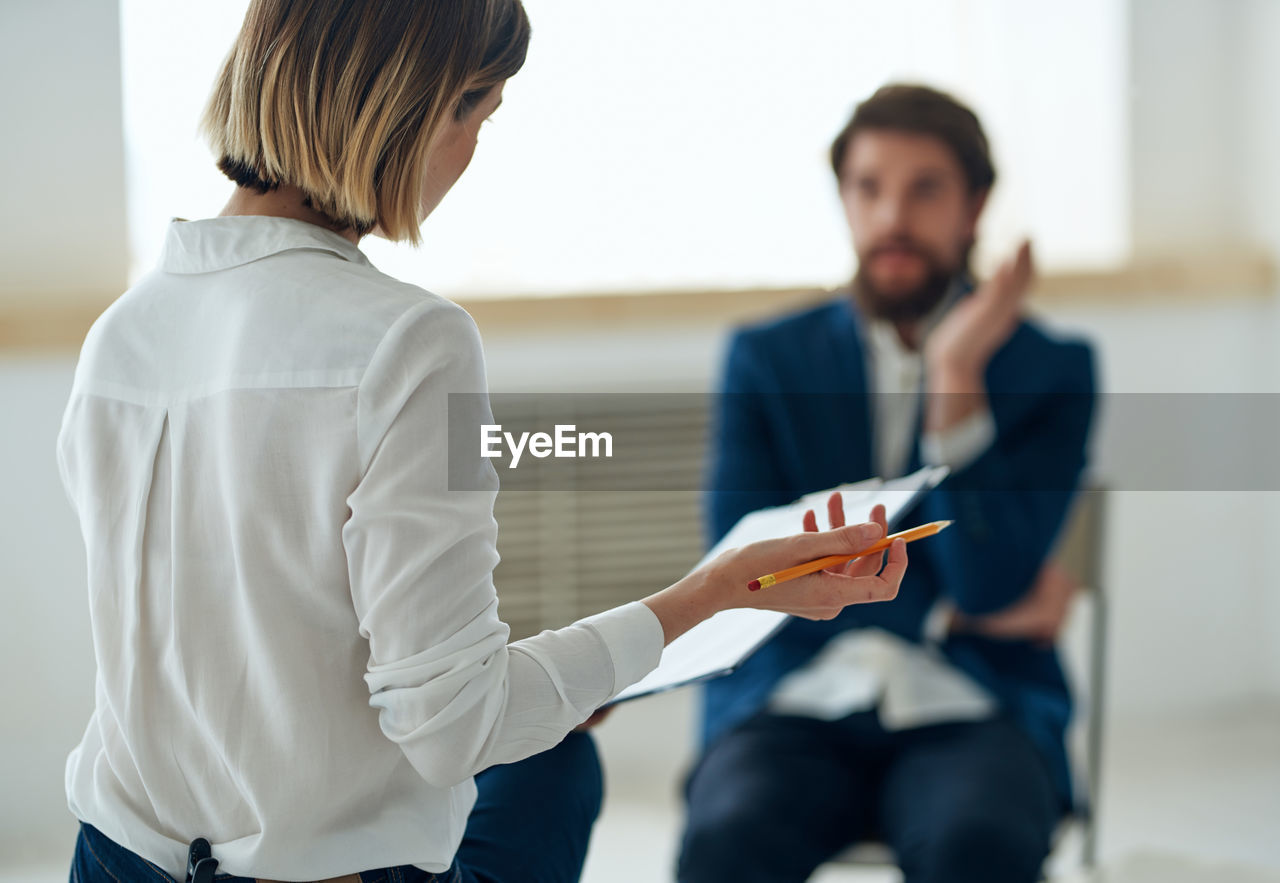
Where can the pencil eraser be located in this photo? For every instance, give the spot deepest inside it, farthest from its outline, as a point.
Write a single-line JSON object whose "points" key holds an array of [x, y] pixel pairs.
{"points": [[753, 586]]}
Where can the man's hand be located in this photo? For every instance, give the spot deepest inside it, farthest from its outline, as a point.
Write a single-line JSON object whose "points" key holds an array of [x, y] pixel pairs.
{"points": [[1038, 616], [957, 351], [979, 324]]}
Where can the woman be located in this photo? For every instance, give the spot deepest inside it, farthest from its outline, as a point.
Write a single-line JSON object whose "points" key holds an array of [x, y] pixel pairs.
{"points": [[299, 653]]}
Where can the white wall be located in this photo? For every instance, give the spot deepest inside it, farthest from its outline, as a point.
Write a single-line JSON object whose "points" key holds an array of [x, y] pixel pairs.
{"points": [[63, 236], [1205, 132], [1180, 126], [1256, 31], [46, 689], [1255, 118], [62, 149]]}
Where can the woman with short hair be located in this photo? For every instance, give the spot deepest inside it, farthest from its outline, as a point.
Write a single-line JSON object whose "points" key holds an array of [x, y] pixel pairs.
{"points": [[299, 653]]}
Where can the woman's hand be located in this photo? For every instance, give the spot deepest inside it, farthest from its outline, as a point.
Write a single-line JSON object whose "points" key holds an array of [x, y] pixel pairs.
{"points": [[868, 566], [820, 595], [722, 584]]}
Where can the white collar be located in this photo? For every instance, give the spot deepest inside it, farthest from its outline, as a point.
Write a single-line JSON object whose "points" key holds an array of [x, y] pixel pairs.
{"points": [[219, 243]]}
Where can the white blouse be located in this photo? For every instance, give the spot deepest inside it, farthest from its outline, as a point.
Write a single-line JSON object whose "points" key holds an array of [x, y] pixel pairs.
{"points": [[295, 625]]}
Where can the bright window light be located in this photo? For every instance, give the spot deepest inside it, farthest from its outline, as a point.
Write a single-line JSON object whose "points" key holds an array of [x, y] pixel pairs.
{"points": [[676, 145]]}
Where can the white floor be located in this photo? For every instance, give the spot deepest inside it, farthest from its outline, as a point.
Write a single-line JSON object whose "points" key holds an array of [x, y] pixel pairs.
{"points": [[1184, 801]]}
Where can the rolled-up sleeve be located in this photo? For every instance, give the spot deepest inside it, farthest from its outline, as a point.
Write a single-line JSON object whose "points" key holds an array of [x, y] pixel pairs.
{"points": [[421, 545]]}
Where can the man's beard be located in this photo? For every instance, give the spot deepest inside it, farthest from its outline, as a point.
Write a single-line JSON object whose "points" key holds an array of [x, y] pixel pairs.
{"points": [[905, 306]]}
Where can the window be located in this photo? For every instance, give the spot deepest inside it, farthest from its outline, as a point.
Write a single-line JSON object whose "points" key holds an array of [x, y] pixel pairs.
{"points": [[675, 145]]}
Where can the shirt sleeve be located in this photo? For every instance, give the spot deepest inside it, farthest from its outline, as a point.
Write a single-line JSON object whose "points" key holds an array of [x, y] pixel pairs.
{"points": [[421, 548], [959, 445]]}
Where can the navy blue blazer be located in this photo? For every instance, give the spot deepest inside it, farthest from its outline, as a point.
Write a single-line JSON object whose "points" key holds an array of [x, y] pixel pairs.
{"points": [[794, 417]]}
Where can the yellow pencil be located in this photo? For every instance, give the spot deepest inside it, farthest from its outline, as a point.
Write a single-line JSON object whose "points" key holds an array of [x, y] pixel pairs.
{"points": [[915, 533]]}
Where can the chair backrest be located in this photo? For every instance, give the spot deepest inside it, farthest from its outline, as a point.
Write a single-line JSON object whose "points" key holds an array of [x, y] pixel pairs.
{"points": [[1083, 645], [1079, 548]]}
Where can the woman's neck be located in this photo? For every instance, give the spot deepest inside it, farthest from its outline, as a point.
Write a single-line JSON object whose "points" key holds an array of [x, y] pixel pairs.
{"points": [[286, 201]]}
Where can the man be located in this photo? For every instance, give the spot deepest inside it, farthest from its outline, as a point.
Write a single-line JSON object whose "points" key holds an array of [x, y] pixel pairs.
{"points": [[934, 722]]}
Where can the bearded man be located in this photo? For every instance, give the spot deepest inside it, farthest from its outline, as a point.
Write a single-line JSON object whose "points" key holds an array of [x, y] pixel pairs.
{"points": [[934, 722]]}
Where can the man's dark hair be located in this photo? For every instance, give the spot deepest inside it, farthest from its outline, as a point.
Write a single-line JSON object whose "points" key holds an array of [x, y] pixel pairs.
{"points": [[924, 111]]}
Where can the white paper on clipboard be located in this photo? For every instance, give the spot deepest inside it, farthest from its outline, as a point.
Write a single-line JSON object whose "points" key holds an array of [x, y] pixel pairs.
{"points": [[720, 644]]}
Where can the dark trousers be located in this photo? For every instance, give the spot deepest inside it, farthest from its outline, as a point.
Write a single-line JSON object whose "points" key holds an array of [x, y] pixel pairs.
{"points": [[530, 824], [776, 797]]}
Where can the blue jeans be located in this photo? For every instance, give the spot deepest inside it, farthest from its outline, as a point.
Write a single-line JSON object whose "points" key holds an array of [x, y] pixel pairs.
{"points": [[774, 798], [531, 822]]}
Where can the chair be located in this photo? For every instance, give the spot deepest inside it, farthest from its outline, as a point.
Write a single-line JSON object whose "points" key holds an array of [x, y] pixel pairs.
{"points": [[1080, 551]]}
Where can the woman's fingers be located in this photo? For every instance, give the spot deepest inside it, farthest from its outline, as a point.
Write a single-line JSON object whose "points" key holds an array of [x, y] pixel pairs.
{"points": [[829, 593], [771, 556], [870, 565], [896, 567], [853, 538], [835, 510], [820, 595], [848, 540], [884, 587]]}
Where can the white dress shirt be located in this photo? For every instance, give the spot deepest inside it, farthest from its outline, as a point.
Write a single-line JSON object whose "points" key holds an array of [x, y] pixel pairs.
{"points": [[909, 684], [296, 631]]}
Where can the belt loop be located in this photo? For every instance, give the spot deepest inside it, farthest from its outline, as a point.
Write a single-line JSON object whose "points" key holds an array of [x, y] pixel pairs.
{"points": [[200, 862]]}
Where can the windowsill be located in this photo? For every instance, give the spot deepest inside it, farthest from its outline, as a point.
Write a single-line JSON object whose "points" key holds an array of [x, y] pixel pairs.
{"points": [[1208, 279], [45, 326]]}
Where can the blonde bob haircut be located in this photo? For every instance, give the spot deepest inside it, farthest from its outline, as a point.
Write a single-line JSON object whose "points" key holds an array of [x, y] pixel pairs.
{"points": [[345, 99]]}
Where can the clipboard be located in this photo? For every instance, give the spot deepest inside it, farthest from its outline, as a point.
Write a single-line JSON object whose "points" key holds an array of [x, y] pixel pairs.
{"points": [[719, 645]]}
